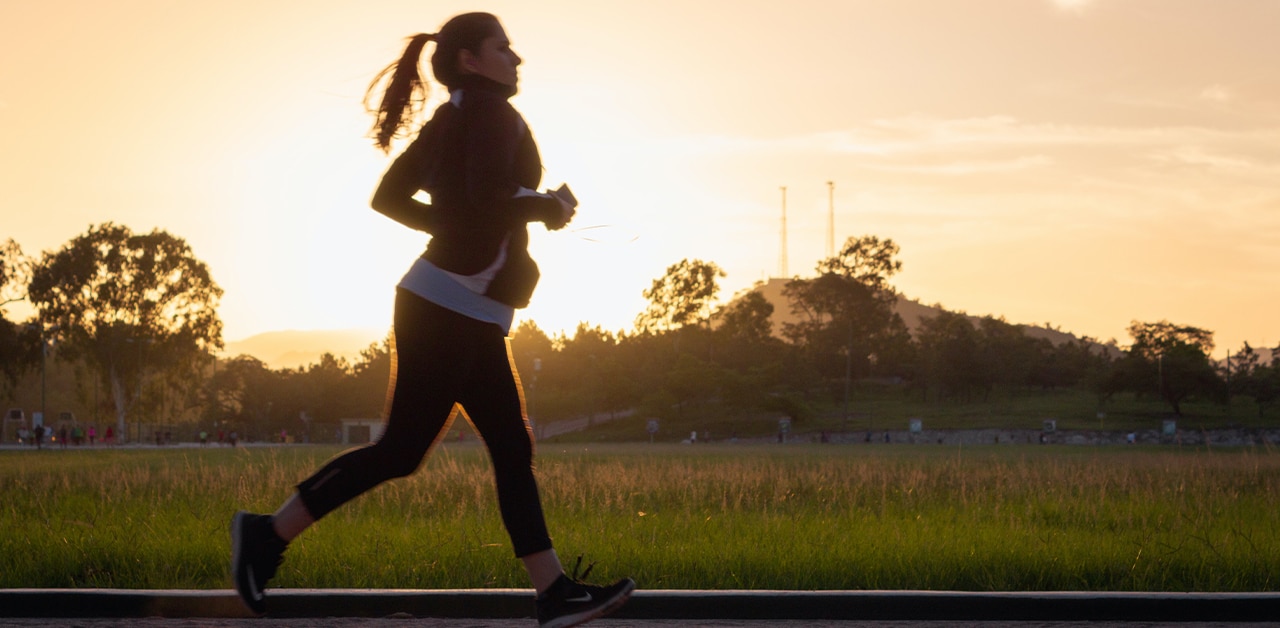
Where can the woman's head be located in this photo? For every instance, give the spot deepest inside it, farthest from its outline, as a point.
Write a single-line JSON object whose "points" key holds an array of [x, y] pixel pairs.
{"points": [[470, 43], [464, 44]]}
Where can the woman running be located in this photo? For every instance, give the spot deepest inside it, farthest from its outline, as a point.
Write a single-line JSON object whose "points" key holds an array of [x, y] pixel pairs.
{"points": [[477, 160]]}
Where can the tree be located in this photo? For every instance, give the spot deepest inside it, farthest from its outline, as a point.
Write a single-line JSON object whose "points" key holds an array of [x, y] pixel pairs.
{"points": [[330, 382], [584, 363], [370, 375], [19, 351], [842, 322], [683, 296], [126, 304], [1083, 361], [866, 259], [245, 392], [1256, 380], [747, 318], [1152, 339], [949, 349], [1010, 358], [847, 312], [530, 343], [691, 381], [19, 343], [1172, 359], [15, 274], [744, 341]]}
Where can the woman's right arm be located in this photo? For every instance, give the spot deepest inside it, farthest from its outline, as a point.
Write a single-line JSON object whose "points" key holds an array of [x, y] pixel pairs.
{"points": [[394, 196]]}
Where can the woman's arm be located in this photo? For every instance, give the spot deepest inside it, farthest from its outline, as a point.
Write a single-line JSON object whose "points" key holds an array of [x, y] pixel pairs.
{"points": [[494, 132], [394, 196]]}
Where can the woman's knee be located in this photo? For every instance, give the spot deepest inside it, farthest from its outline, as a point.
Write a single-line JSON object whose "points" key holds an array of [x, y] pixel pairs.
{"points": [[514, 450], [397, 459]]}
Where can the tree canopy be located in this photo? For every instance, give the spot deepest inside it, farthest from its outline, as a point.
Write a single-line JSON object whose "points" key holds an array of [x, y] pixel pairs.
{"points": [[127, 303], [866, 259], [15, 270], [683, 296]]}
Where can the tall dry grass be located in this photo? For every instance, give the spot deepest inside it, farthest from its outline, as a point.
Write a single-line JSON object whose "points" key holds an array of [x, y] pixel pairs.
{"points": [[779, 517]]}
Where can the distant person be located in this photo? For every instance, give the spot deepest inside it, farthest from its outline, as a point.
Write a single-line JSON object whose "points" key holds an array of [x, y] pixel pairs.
{"points": [[62, 437], [93, 435], [478, 161], [110, 437]]}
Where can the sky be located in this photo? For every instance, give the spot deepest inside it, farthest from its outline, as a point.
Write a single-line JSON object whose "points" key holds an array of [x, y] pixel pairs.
{"points": [[1077, 163]]}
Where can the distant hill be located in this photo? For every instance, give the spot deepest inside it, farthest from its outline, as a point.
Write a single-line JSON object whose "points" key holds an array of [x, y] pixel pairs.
{"points": [[911, 311], [294, 349]]}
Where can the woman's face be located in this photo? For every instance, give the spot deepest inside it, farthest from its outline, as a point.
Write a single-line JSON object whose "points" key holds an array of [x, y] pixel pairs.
{"points": [[495, 61]]}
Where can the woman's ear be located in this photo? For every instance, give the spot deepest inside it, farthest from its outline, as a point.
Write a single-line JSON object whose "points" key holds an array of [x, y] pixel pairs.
{"points": [[466, 61]]}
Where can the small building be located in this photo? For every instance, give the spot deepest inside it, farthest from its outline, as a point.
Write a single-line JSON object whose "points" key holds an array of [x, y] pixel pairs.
{"points": [[14, 420], [361, 431]]}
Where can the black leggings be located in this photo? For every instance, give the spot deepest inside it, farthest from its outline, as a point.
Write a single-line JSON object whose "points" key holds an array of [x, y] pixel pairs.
{"points": [[442, 358]]}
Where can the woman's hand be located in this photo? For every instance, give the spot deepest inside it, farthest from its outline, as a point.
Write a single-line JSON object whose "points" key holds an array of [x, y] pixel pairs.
{"points": [[566, 214]]}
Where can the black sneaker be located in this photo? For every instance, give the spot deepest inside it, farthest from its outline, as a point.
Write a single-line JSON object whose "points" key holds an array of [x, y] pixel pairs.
{"points": [[569, 602], [256, 552]]}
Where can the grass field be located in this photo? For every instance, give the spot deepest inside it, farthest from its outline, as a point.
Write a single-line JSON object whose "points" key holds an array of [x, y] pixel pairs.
{"points": [[721, 516], [875, 407]]}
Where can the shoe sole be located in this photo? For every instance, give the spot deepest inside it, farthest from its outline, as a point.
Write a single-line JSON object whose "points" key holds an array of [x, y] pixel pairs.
{"points": [[612, 605], [237, 524]]}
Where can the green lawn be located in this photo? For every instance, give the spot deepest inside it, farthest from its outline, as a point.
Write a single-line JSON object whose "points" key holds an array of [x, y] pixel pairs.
{"points": [[710, 516], [879, 407]]}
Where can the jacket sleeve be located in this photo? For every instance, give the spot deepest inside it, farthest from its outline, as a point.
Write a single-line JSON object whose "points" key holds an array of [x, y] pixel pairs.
{"points": [[494, 131], [394, 196]]}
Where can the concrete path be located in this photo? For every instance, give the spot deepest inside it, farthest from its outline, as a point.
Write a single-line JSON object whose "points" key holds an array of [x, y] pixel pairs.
{"points": [[346, 622], [503, 608]]}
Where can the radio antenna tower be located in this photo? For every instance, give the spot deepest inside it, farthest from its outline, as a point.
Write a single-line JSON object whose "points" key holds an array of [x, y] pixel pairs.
{"points": [[783, 257], [831, 219]]}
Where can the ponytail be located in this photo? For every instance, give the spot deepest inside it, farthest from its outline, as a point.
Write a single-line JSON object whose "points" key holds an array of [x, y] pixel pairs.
{"points": [[403, 96], [406, 91]]}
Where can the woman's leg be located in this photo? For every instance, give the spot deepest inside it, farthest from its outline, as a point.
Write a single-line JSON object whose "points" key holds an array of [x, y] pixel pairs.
{"points": [[492, 400], [426, 369], [291, 519], [544, 569]]}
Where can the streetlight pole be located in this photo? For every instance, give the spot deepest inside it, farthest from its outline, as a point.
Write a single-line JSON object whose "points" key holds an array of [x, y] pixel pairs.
{"points": [[147, 340], [44, 362], [44, 369], [533, 389], [848, 367], [848, 375]]}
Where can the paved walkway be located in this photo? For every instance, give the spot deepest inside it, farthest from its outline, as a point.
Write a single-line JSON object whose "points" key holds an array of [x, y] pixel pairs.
{"points": [[508, 608], [347, 622]]}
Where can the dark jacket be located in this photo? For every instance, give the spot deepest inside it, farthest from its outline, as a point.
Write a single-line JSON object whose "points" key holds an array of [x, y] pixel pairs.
{"points": [[472, 157]]}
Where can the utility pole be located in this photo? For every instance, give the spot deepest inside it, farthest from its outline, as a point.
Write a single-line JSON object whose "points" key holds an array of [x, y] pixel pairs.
{"points": [[44, 362], [1228, 382], [831, 219], [783, 261], [848, 376]]}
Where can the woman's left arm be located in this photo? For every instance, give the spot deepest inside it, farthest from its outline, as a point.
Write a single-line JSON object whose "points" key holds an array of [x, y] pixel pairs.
{"points": [[494, 133]]}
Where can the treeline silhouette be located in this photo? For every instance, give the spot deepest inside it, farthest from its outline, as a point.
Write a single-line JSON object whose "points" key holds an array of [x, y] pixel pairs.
{"points": [[136, 338]]}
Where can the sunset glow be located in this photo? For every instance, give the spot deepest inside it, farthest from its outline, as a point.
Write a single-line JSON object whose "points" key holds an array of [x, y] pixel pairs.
{"points": [[1074, 162]]}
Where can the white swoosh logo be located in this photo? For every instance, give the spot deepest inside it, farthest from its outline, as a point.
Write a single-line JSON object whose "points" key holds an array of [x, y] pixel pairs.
{"points": [[253, 590], [586, 597]]}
